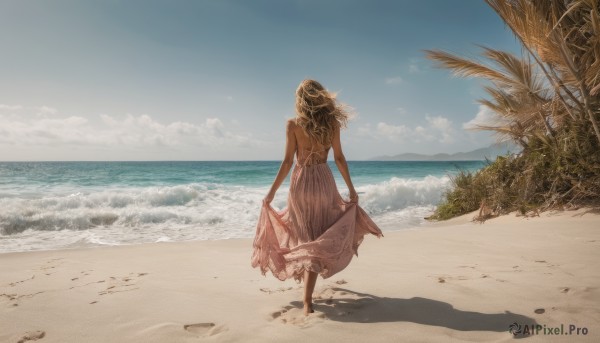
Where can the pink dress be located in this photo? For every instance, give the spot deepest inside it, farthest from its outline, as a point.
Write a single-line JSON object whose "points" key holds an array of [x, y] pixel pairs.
{"points": [[318, 231]]}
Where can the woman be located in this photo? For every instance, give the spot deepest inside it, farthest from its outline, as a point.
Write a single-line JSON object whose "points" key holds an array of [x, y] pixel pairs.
{"points": [[318, 232]]}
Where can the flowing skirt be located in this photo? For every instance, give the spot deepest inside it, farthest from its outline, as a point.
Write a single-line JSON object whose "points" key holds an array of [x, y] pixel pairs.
{"points": [[317, 231]]}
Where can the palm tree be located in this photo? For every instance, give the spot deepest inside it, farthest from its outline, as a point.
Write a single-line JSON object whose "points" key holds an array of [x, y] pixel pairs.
{"points": [[556, 82], [547, 100]]}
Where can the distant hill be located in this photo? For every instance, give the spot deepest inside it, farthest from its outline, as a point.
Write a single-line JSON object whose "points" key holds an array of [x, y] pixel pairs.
{"points": [[476, 155]]}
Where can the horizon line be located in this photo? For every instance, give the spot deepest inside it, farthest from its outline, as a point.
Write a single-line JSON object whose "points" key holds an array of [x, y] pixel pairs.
{"points": [[369, 160]]}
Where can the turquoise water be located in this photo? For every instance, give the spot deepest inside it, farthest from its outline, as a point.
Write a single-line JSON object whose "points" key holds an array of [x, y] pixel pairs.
{"points": [[49, 205], [18, 178]]}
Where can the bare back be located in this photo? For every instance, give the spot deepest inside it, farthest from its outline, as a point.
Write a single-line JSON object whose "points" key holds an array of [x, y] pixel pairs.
{"points": [[308, 150]]}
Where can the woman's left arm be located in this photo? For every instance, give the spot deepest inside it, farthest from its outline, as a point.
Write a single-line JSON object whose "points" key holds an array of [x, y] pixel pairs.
{"points": [[288, 160]]}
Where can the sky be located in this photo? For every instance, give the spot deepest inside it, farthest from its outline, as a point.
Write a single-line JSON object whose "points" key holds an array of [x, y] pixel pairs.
{"points": [[215, 79]]}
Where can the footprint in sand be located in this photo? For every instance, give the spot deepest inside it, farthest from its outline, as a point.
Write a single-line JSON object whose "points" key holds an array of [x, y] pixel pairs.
{"points": [[32, 336], [86, 284], [122, 283], [278, 314], [51, 264], [280, 289], [199, 328], [10, 296], [205, 329], [13, 284], [81, 275], [548, 264], [115, 284], [471, 267], [15, 298], [444, 279], [295, 315]]}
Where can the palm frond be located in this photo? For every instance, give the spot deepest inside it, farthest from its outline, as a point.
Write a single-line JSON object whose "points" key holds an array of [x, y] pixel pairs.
{"points": [[465, 67]]}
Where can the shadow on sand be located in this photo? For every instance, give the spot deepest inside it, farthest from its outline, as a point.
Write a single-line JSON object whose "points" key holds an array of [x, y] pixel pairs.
{"points": [[349, 306]]}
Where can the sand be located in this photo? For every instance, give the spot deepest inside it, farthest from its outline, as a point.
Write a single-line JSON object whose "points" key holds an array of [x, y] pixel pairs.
{"points": [[450, 281]]}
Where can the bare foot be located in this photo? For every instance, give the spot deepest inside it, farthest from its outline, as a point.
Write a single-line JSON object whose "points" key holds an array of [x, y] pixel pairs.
{"points": [[308, 308]]}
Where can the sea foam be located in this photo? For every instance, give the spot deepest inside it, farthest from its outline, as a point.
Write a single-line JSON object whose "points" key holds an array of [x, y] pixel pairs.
{"points": [[194, 211]]}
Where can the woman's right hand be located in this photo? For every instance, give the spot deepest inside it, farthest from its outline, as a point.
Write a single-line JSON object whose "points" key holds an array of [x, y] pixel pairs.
{"points": [[267, 200]]}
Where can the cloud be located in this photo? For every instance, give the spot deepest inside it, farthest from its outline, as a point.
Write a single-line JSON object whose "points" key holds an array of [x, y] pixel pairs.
{"points": [[485, 117], [46, 110], [414, 65], [393, 132], [443, 128], [4, 107], [437, 128], [40, 110], [393, 80], [401, 110], [128, 132]]}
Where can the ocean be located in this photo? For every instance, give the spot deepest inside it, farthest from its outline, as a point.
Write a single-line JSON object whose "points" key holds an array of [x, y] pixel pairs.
{"points": [[57, 205]]}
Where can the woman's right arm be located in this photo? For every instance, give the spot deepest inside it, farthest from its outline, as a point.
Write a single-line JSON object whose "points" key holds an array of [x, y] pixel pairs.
{"points": [[340, 162], [288, 160]]}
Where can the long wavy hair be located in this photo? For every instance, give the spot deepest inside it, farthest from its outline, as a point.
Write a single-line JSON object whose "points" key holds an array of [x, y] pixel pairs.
{"points": [[318, 112]]}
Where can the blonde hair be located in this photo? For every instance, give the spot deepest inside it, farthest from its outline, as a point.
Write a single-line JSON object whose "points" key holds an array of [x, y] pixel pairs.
{"points": [[318, 112]]}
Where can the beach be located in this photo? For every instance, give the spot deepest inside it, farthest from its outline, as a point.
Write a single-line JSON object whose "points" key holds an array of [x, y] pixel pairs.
{"points": [[447, 281], [142, 143]]}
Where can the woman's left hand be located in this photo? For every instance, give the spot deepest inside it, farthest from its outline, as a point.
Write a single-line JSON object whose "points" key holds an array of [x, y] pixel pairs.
{"points": [[353, 196]]}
